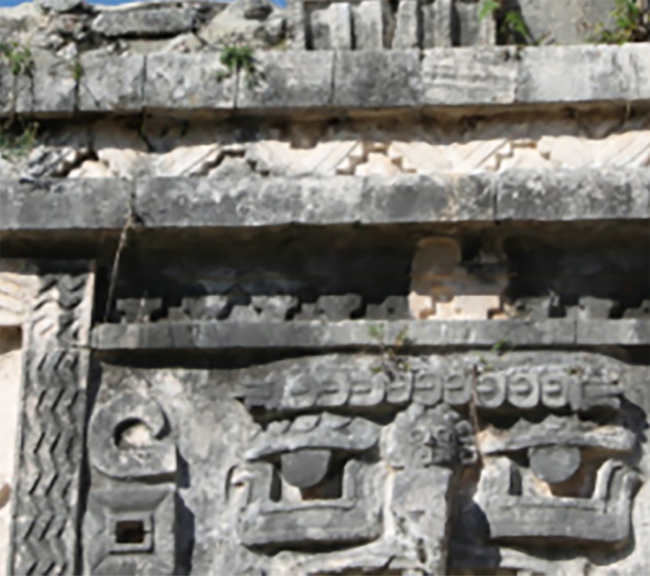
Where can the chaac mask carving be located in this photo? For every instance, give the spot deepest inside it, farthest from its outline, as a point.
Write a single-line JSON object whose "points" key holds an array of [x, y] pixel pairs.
{"points": [[327, 465]]}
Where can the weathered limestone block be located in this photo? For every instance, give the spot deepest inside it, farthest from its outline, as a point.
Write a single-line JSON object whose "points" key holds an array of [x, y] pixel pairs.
{"points": [[51, 86], [287, 80], [68, 204], [307, 335], [111, 84], [330, 27], [592, 195], [227, 203], [369, 21], [374, 79], [442, 289], [188, 82], [144, 21], [441, 25], [416, 198], [466, 76], [546, 75], [565, 23], [407, 26]]}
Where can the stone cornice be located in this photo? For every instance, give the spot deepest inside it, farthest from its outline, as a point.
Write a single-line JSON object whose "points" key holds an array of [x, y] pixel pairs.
{"points": [[358, 333], [325, 82], [518, 195]]}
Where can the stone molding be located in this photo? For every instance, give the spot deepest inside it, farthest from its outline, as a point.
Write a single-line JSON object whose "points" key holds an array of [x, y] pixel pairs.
{"points": [[449, 78], [518, 195]]}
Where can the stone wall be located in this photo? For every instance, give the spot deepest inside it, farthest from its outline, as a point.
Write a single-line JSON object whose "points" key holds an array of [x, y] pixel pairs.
{"points": [[341, 288]]}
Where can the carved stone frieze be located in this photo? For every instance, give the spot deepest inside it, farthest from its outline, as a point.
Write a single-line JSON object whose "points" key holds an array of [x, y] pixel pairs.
{"points": [[359, 462]]}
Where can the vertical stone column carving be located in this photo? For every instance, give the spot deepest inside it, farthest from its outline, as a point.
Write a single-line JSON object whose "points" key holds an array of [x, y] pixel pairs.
{"points": [[51, 435]]}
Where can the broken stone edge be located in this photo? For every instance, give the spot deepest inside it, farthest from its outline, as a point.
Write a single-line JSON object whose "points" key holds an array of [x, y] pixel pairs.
{"points": [[518, 195], [480, 76]]}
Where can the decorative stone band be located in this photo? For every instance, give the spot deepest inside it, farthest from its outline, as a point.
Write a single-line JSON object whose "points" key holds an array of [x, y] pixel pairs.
{"points": [[56, 321], [519, 381], [484, 76], [353, 334], [517, 195]]}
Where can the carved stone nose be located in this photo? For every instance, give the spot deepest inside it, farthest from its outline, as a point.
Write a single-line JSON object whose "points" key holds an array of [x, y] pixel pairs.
{"points": [[305, 468]]}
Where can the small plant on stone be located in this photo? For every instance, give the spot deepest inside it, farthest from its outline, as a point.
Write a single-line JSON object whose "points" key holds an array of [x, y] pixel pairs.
{"points": [[511, 26], [391, 360], [237, 59], [631, 25], [16, 144], [19, 57], [78, 70]]}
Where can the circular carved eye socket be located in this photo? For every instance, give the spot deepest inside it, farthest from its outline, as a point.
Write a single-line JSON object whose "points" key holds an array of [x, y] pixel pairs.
{"points": [[133, 433]]}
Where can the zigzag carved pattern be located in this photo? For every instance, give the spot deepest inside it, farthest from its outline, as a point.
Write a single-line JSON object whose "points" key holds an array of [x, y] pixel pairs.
{"points": [[52, 427], [56, 306], [50, 461]]}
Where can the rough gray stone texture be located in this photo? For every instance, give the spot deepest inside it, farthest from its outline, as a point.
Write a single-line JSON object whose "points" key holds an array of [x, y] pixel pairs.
{"points": [[110, 83], [446, 77], [312, 201], [420, 199], [625, 332], [567, 22], [144, 21], [567, 195], [405, 36], [188, 82], [311, 335], [377, 79], [255, 201], [619, 73], [50, 88], [81, 204], [287, 80], [469, 76]]}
